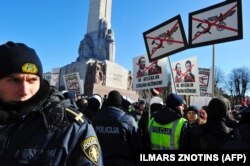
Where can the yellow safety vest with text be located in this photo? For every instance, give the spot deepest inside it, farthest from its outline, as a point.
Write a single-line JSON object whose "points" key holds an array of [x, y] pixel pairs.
{"points": [[167, 136]]}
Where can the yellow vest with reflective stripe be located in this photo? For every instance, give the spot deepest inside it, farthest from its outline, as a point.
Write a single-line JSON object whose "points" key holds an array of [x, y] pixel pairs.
{"points": [[167, 136]]}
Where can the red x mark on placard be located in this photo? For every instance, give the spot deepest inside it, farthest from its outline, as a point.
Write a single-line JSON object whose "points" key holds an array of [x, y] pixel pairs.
{"points": [[202, 80], [147, 67], [166, 37], [184, 74], [215, 23]]}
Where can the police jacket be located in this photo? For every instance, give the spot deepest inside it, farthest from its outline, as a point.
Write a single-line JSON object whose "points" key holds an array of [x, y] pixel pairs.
{"points": [[45, 131], [167, 116], [117, 133]]}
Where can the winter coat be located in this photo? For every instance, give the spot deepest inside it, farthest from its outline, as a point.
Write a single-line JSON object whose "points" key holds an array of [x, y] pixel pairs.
{"points": [[45, 130], [117, 132]]}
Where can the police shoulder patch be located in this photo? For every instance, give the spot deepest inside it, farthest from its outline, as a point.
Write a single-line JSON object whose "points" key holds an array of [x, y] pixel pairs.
{"points": [[91, 149], [77, 115]]}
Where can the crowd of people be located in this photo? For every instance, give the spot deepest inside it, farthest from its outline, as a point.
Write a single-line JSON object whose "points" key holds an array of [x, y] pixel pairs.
{"points": [[40, 125]]}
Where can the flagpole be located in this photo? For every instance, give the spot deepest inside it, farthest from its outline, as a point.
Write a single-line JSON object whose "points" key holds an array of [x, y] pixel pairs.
{"points": [[171, 70], [213, 71]]}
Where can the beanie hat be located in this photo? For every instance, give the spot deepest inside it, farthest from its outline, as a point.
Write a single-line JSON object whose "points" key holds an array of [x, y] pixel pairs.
{"points": [[93, 104], [174, 100], [114, 99], [98, 98], [217, 109], [142, 101], [156, 100], [192, 108], [125, 103], [19, 58], [68, 95]]}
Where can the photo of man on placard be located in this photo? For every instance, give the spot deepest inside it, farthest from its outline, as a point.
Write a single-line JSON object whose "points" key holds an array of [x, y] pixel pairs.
{"points": [[189, 76], [142, 65], [178, 76], [154, 68]]}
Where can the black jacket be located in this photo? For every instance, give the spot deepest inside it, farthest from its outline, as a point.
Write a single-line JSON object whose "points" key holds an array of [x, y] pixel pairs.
{"points": [[46, 131], [240, 140], [212, 135], [117, 133]]}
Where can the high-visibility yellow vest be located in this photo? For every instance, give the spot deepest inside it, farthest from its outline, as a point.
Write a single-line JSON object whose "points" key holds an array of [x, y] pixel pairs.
{"points": [[167, 136]]}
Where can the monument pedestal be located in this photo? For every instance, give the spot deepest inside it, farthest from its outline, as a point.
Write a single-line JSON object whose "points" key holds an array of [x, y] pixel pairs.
{"points": [[104, 90], [103, 77]]}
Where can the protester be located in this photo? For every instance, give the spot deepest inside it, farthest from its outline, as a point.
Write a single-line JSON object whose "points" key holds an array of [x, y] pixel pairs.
{"points": [[230, 121], [214, 133], [37, 126], [117, 132], [82, 103], [71, 97], [241, 139], [93, 106], [203, 114], [140, 109], [192, 115], [168, 129]]}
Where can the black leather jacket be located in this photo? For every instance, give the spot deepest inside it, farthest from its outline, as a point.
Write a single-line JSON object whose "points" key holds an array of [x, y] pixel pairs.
{"points": [[45, 130]]}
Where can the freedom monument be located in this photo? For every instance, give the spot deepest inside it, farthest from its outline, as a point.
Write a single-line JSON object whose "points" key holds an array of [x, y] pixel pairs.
{"points": [[95, 70]]}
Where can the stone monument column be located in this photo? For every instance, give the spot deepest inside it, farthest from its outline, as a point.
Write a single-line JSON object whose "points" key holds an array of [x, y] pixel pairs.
{"points": [[98, 9], [98, 42]]}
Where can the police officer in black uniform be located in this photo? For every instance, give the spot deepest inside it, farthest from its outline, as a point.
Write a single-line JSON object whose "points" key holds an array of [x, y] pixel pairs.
{"points": [[117, 132], [37, 126]]}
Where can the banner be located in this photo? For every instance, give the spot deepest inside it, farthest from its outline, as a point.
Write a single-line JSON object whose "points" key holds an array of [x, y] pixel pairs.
{"points": [[186, 78], [72, 83], [205, 82], [148, 75], [54, 81]]}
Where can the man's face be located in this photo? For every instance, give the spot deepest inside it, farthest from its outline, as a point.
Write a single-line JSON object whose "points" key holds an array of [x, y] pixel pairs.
{"points": [[142, 63], [178, 69], [188, 69], [18, 87]]}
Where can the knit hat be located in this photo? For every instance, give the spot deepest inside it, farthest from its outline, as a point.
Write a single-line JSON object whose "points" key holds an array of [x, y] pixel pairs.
{"points": [[174, 100], [94, 103], [114, 99], [98, 98], [217, 109], [19, 58], [156, 100], [192, 108]]}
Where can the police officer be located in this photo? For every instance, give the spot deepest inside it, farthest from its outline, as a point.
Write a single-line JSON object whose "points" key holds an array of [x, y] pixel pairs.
{"points": [[37, 126], [117, 132], [156, 104], [167, 128]]}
